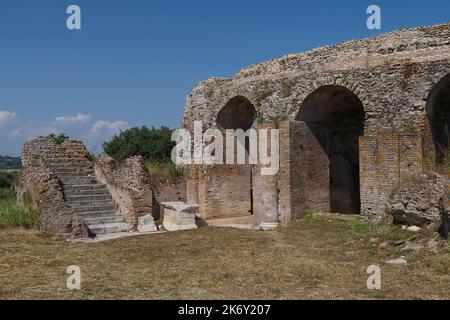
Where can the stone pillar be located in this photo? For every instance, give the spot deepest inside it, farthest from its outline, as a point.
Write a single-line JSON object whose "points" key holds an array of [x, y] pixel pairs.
{"points": [[265, 189], [192, 184]]}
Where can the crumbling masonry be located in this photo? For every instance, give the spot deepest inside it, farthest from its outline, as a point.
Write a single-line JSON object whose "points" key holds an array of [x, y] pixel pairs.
{"points": [[354, 119]]}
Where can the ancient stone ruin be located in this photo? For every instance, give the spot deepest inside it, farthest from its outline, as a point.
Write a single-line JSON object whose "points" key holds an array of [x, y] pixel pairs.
{"points": [[355, 120], [75, 202]]}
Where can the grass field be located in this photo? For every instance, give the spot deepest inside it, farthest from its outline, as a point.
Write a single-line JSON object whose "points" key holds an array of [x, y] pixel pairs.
{"points": [[320, 257]]}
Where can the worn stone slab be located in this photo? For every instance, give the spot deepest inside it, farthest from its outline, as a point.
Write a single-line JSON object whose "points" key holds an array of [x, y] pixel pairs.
{"points": [[147, 224], [179, 216]]}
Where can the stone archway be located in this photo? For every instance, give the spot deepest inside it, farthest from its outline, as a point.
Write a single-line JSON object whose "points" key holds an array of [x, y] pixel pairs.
{"points": [[334, 118], [438, 110], [238, 113]]}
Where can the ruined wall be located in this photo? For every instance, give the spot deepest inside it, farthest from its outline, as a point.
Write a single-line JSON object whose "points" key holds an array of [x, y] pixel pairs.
{"points": [[41, 177], [43, 151], [386, 159], [129, 185], [391, 74]]}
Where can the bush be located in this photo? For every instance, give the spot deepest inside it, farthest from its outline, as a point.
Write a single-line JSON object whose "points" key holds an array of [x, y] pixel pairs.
{"points": [[58, 139], [6, 180], [154, 145], [15, 215]]}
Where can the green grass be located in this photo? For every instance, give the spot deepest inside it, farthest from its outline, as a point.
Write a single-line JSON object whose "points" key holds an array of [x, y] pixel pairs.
{"points": [[442, 265], [13, 215]]}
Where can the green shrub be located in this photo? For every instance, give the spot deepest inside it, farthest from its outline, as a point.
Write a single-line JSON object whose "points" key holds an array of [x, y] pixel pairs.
{"points": [[154, 145], [58, 139], [14, 215], [6, 180]]}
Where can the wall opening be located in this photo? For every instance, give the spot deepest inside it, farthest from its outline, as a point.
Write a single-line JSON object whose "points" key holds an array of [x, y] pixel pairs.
{"points": [[335, 117], [238, 113], [438, 109]]}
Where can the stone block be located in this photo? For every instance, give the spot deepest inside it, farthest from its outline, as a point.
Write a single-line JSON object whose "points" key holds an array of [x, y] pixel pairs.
{"points": [[147, 224], [179, 216]]}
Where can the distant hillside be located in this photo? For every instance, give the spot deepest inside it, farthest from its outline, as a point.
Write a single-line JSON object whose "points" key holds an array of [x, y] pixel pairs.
{"points": [[10, 163]]}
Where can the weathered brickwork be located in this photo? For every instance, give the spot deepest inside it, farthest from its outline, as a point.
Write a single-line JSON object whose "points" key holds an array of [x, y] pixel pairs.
{"points": [[390, 77], [41, 178], [129, 185], [386, 159]]}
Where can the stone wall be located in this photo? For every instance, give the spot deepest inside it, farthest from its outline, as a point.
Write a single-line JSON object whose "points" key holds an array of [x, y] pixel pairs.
{"points": [[129, 185], [391, 75], [386, 159], [43, 151], [40, 178]]}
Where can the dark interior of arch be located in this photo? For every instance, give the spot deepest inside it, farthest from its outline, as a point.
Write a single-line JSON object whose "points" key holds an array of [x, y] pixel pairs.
{"points": [[238, 113], [439, 115], [335, 115]]}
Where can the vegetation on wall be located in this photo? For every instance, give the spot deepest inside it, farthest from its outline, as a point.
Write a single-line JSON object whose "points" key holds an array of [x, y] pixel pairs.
{"points": [[58, 139], [154, 145]]}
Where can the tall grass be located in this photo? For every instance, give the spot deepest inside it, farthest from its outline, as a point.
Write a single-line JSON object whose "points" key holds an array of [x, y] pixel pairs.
{"points": [[13, 215], [164, 172]]}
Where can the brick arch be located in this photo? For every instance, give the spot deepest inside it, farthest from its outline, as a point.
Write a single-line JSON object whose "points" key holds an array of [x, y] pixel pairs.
{"points": [[438, 115], [333, 117], [237, 113]]}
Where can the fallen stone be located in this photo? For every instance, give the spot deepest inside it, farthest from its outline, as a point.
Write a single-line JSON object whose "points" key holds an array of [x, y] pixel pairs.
{"points": [[399, 261], [414, 229], [383, 245], [417, 201], [147, 224], [413, 247]]}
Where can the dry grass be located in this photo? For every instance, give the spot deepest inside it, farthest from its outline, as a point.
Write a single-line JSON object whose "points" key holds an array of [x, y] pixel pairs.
{"points": [[320, 257]]}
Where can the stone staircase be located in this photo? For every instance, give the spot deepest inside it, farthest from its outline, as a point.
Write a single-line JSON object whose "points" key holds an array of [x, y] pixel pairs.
{"points": [[91, 200]]}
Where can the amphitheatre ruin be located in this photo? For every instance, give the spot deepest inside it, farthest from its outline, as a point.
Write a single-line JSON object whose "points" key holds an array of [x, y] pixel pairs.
{"points": [[355, 119]]}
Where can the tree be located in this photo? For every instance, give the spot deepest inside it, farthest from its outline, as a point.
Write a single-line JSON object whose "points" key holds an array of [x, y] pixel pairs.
{"points": [[154, 145]]}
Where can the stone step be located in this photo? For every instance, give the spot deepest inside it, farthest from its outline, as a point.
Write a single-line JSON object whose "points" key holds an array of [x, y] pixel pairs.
{"points": [[104, 220], [77, 180], [86, 186], [89, 197], [98, 214], [110, 228], [91, 203], [90, 192], [85, 209]]}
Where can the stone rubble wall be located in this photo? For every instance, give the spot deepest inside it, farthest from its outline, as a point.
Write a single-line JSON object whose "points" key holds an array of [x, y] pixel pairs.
{"points": [[43, 184], [129, 185], [392, 74]]}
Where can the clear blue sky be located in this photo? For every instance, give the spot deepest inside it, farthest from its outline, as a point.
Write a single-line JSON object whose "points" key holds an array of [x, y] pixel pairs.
{"points": [[134, 62]]}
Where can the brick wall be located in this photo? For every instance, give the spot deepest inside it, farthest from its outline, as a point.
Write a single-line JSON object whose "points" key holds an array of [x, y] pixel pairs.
{"points": [[384, 160], [224, 191]]}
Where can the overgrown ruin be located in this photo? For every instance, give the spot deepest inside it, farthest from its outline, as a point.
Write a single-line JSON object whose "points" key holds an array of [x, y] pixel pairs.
{"points": [[355, 119]]}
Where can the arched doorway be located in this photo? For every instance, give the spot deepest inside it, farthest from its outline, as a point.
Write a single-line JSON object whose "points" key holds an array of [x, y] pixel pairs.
{"points": [[438, 110], [226, 190], [335, 117]]}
